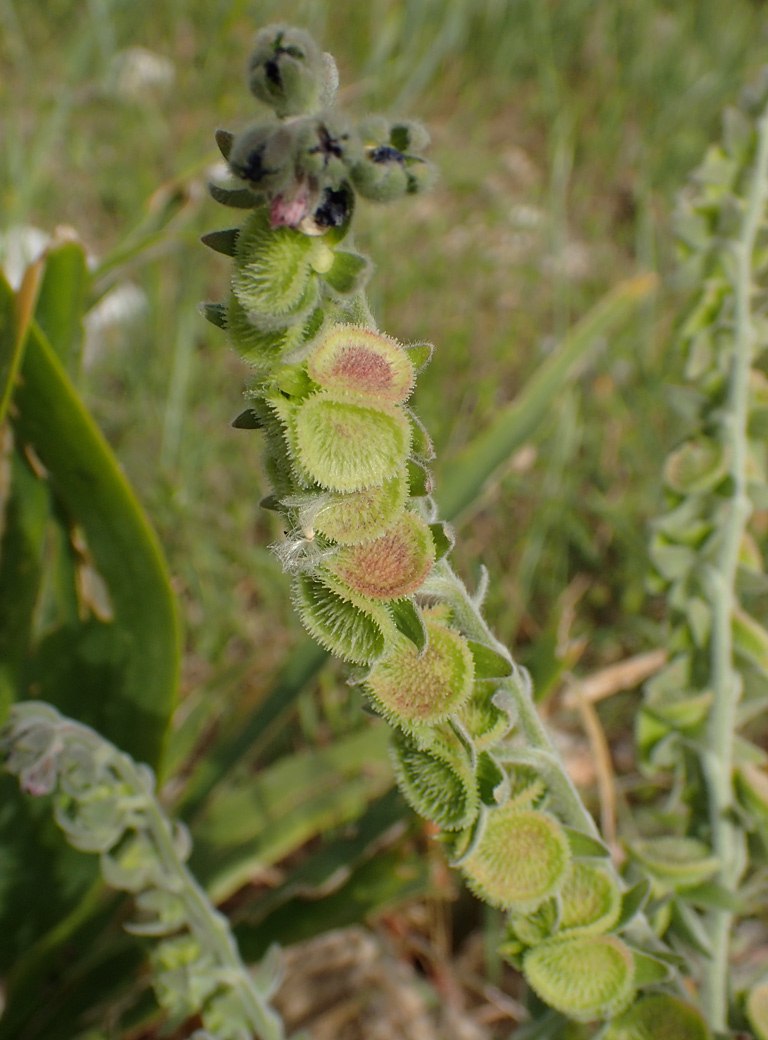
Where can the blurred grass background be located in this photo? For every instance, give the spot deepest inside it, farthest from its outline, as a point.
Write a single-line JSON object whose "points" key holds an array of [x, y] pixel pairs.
{"points": [[563, 130]]}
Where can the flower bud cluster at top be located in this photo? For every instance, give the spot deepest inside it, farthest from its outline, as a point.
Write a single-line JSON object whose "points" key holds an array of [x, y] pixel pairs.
{"points": [[347, 462]]}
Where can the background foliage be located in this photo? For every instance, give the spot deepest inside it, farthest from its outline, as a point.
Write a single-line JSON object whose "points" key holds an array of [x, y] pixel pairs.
{"points": [[563, 131]]}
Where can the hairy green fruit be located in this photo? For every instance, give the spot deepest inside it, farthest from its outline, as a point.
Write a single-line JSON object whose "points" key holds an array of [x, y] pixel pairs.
{"points": [[659, 1016], [273, 273], [438, 781], [585, 977], [412, 689], [349, 627], [521, 858], [590, 899], [391, 566], [364, 363], [345, 446], [362, 515]]}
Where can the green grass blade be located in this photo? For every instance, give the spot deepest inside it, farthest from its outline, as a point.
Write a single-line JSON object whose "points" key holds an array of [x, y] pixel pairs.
{"points": [[88, 481], [464, 477], [62, 299]]}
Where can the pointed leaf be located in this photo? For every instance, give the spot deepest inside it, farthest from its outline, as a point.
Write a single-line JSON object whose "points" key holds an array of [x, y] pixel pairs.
{"points": [[444, 539], [585, 846], [410, 621], [215, 313], [62, 299], [237, 198], [224, 140], [489, 663], [224, 241]]}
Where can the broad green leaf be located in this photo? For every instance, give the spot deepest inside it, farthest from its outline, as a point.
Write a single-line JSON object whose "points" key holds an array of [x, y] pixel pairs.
{"points": [[250, 826], [464, 477], [89, 483]]}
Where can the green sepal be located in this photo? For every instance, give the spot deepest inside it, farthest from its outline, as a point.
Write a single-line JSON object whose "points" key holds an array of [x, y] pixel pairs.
{"points": [[420, 354], [422, 448], [420, 481], [409, 621], [632, 903], [247, 420], [215, 313], [585, 846], [491, 779], [236, 198], [444, 539], [224, 140], [348, 273], [271, 502], [224, 241], [489, 663], [649, 970]]}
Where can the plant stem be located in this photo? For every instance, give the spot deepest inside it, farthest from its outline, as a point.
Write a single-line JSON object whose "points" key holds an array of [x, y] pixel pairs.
{"points": [[718, 759], [206, 923]]}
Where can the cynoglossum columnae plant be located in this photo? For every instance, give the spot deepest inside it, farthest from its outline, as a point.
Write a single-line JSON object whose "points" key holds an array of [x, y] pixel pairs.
{"points": [[347, 461], [106, 804], [709, 564]]}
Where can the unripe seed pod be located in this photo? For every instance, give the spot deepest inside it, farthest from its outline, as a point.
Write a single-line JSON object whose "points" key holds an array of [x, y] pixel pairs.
{"points": [[362, 362], [659, 1016], [346, 446], [590, 899], [584, 977], [355, 630], [263, 347], [391, 566], [273, 272], [437, 781], [521, 858], [363, 515], [420, 691], [287, 70]]}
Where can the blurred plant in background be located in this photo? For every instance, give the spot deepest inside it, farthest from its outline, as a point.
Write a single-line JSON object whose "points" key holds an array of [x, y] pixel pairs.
{"points": [[562, 132]]}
